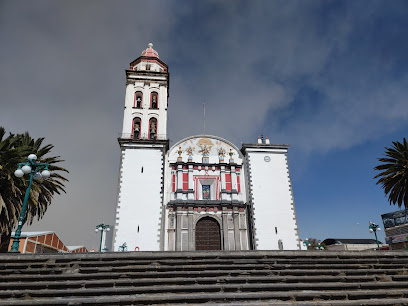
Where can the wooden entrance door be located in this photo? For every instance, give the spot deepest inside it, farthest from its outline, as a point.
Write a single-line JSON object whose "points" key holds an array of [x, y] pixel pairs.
{"points": [[207, 234]]}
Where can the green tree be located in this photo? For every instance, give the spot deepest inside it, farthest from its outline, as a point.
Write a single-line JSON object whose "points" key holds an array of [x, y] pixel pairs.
{"points": [[394, 175], [14, 149]]}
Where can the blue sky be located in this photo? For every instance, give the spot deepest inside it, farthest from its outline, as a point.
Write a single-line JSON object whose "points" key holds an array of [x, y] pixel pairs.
{"points": [[327, 77]]}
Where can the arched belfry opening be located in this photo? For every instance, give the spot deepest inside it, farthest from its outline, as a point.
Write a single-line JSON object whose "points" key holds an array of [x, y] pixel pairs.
{"points": [[207, 234]]}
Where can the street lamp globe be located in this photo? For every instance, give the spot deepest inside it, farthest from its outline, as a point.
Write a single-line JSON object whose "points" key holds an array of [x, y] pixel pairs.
{"points": [[46, 174], [108, 229], [100, 228], [26, 169], [19, 173], [371, 230], [32, 157], [96, 230], [378, 229], [37, 176]]}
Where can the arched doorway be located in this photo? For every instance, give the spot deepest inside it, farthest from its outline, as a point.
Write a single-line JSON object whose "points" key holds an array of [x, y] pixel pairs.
{"points": [[207, 234]]}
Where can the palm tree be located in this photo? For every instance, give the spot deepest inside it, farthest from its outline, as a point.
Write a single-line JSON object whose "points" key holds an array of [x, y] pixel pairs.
{"points": [[10, 194], [394, 175], [14, 149]]}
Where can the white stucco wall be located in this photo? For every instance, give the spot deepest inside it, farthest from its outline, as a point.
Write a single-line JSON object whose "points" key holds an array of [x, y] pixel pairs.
{"points": [[272, 200], [139, 200]]}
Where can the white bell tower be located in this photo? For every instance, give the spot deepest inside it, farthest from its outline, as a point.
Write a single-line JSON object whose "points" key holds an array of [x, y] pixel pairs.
{"points": [[143, 144], [147, 82]]}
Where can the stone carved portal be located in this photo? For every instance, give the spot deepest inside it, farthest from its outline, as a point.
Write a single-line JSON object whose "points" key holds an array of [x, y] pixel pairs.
{"points": [[207, 234]]}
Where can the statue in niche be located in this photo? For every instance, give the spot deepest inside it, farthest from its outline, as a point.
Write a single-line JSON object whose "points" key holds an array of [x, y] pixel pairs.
{"points": [[154, 101], [153, 129], [136, 130], [138, 101]]}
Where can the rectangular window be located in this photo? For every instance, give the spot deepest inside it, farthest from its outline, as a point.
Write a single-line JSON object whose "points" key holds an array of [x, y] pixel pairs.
{"points": [[238, 184], [174, 183], [228, 181], [206, 192], [185, 181]]}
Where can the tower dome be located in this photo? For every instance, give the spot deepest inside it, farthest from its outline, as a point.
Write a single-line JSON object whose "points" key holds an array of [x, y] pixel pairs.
{"points": [[150, 51]]}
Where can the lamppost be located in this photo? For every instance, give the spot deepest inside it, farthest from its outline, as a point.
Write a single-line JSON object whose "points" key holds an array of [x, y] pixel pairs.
{"points": [[103, 228], [319, 247], [306, 243], [374, 228], [33, 168], [123, 247]]}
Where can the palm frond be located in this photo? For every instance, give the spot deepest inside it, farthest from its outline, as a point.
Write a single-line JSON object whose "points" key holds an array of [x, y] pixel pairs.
{"points": [[394, 176]]}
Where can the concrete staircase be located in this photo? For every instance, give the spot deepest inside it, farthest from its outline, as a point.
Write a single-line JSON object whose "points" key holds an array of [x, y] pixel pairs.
{"points": [[238, 278]]}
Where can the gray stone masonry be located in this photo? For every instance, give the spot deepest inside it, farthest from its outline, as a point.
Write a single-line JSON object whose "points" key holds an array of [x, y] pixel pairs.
{"points": [[212, 277]]}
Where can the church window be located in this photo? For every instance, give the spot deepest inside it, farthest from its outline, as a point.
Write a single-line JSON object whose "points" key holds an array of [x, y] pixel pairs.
{"points": [[142, 170], [206, 192], [148, 66], [276, 230], [136, 128], [174, 183], [185, 181], [238, 183], [138, 99], [153, 128], [228, 181], [154, 101]]}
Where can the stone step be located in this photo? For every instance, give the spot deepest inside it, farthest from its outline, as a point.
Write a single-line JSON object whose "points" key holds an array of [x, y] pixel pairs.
{"points": [[322, 288], [220, 297], [277, 281], [97, 274], [220, 261], [398, 302], [238, 255], [189, 264], [33, 269], [202, 276]]}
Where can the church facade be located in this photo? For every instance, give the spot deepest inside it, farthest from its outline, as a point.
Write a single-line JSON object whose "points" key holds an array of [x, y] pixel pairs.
{"points": [[203, 193]]}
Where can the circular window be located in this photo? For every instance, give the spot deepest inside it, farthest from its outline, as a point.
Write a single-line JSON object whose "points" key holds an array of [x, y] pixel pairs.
{"points": [[267, 159]]}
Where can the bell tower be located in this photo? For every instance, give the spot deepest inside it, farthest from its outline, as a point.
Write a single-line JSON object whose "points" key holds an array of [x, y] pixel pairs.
{"points": [[143, 144], [147, 82]]}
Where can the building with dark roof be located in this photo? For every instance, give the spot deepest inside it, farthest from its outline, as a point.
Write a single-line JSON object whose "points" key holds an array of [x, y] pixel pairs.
{"points": [[396, 229], [341, 244]]}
